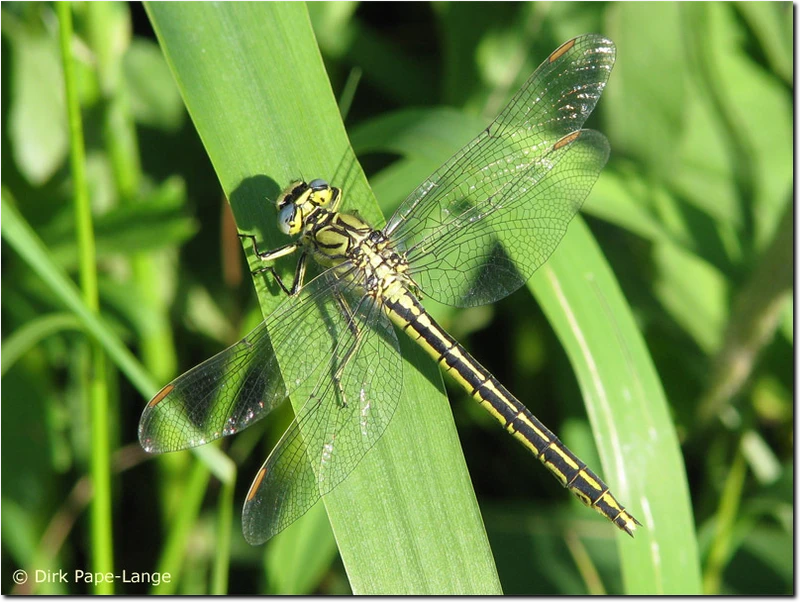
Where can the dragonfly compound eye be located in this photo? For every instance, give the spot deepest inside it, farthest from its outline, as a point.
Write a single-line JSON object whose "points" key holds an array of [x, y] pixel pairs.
{"points": [[318, 184], [287, 220]]}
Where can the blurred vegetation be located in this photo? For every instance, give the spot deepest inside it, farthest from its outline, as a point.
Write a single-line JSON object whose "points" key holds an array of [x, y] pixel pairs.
{"points": [[694, 213]]}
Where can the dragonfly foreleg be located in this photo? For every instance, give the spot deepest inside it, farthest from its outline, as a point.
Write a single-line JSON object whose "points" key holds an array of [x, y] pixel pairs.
{"points": [[300, 269]]}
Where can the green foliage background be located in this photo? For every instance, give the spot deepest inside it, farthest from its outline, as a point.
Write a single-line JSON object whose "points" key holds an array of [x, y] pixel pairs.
{"points": [[689, 240]]}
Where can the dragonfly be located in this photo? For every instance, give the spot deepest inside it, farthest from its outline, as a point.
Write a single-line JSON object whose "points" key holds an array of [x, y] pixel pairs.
{"points": [[333, 341]]}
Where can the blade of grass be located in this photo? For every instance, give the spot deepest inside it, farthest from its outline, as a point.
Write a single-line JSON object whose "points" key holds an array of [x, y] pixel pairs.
{"points": [[171, 561], [628, 411], [624, 398], [19, 235], [31, 334], [101, 515], [301, 555], [264, 110], [104, 19], [727, 512], [222, 547]]}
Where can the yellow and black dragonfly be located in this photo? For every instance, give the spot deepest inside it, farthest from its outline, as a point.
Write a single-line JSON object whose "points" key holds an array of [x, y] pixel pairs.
{"points": [[333, 341]]}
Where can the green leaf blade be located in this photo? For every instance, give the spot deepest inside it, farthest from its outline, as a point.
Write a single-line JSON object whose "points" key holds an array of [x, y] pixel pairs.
{"points": [[264, 110]]}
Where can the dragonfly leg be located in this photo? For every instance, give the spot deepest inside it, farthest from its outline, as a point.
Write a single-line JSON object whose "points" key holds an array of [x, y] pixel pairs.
{"points": [[351, 324], [300, 270]]}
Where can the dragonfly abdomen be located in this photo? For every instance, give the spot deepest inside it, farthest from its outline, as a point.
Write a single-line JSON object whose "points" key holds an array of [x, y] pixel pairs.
{"points": [[407, 312]]}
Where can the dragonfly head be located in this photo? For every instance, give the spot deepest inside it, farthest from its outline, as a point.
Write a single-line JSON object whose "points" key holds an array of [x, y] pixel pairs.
{"points": [[300, 200]]}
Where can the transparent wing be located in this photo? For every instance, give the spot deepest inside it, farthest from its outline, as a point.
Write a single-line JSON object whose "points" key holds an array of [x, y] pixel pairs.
{"points": [[516, 186], [350, 403], [243, 383]]}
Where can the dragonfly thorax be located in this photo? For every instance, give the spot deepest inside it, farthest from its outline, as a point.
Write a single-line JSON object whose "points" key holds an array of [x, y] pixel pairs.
{"points": [[383, 270], [359, 252], [341, 240]]}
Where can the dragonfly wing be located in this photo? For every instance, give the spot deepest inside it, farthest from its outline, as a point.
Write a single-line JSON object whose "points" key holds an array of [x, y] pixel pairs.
{"points": [[243, 383], [350, 403], [523, 178]]}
